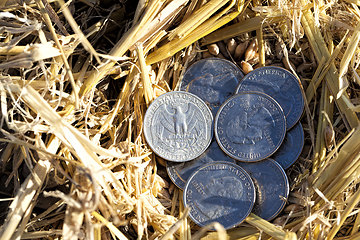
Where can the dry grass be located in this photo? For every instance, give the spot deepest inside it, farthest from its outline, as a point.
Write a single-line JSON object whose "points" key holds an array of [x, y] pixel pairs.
{"points": [[76, 79]]}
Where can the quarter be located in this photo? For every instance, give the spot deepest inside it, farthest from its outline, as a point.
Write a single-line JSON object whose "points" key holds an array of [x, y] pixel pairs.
{"points": [[291, 148], [280, 84], [272, 187], [179, 173], [178, 126], [212, 79], [221, 192], [250, 126]]}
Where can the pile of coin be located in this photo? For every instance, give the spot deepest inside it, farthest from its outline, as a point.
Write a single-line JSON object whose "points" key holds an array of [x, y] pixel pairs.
{"points": [[255, 117]]}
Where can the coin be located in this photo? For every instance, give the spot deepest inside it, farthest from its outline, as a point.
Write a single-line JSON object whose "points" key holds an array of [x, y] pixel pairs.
{"points": [[291, 148], [212, 79], [179, 173], [250, 126], [178, 126], [280, 84], [221, 192], [272, 187]]}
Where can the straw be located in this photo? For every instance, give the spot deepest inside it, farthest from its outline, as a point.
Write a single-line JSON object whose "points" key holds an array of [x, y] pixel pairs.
{"points": [[76, 81]]}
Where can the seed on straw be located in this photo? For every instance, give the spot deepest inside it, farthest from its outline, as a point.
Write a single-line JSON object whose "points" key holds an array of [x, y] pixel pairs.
{"points": [[246, 67], [213, 49], [223, 49], [329, 136], [255, 59], [240, 50], [231, 46], [251, 50]]}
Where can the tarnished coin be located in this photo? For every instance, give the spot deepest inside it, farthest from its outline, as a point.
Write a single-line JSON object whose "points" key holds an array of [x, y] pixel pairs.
{"points": [[179, 173], [272, 187], [178, 126], [212, 79], [250, 126], [291, 148], [221, 192], [279, 84]]}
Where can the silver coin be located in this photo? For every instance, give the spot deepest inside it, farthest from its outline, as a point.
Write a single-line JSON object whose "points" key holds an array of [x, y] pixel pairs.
{"points": [[178, 126], [221, 192], [291, 148], [280, 84], [179, 173], [212, 79], [272, 187], [250, 126]]}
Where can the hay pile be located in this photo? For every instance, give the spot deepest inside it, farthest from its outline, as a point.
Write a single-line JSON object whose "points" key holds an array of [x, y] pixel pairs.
{"points": [[76, 79]]}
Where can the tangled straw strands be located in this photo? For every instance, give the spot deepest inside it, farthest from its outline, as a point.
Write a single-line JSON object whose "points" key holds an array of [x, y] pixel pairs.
{"points": [[77, 77]]}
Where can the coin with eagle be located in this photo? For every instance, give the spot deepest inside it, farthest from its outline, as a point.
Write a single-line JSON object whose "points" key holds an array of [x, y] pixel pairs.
{"points": [[178, 126]]}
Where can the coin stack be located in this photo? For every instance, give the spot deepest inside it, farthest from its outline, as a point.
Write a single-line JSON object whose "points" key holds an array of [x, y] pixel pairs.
{"points": [[226, 177]]}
